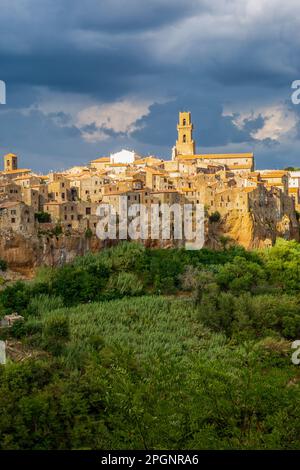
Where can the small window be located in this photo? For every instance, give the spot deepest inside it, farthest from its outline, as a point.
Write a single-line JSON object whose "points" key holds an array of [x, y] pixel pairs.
{"points": [[184, 138], [184, 122]]}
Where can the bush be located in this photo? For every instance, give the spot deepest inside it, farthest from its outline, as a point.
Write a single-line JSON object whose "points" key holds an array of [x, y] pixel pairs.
{"points": [[42, 217], [215, 217], [240, 275], [88, 233], [15, 298], [55, 332], [57, 230], [3, 265]]}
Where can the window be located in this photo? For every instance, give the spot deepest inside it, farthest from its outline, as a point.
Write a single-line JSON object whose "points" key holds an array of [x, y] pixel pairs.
{"points": [[184, 122], [88, 211], [13, 220], [184, 138]]}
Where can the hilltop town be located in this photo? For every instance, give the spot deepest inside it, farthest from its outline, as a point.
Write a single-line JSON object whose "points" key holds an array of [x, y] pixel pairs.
{"points": [[50, 218]]}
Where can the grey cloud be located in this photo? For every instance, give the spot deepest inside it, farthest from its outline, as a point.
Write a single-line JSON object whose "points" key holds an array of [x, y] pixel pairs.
{"points": [[111, 49]]}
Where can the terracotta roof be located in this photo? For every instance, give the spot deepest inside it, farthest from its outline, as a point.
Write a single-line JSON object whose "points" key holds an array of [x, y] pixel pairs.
{"points": [[12, 172], [274, 174], [7, 204], [118, 164], [101, 160], [116, 193], [216, 156], [165, 191], [19, 178], [239, 167]]}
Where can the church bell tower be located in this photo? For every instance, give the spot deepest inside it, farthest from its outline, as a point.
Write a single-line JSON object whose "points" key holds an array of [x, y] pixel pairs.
{"points": [[185, 144], [10, 162]]}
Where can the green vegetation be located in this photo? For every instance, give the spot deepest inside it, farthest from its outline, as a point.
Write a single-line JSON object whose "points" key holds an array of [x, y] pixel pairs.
{"points": [[154, 349], [215, 217], [3, 265], [42, 217]]}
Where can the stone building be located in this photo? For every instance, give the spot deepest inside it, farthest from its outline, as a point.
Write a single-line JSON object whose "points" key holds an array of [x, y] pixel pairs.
{"points": [[61, 212], [31, 198], [17, 216], [59, 188], [9, 190]]}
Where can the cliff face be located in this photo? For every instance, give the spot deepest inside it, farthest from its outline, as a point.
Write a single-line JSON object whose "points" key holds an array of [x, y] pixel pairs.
{"points": [[24, 253], [250, 230], [269, 215]]}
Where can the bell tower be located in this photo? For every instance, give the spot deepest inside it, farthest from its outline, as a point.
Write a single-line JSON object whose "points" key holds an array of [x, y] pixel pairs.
{"points": [[10, 162], [185, 144]]}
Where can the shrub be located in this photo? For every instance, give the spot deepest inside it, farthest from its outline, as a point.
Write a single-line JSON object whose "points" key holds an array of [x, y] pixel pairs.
{"points": [[15, 298], [42, 217], [88, 233], [215, 217], [55, 332], [3, 265]]}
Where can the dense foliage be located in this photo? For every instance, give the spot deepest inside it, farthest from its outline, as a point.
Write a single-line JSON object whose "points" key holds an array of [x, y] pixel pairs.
{"points": [[153, 349]]}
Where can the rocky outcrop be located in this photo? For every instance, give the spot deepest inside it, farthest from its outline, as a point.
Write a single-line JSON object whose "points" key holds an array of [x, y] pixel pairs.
{"points": [[24, 254], [249, 230]]}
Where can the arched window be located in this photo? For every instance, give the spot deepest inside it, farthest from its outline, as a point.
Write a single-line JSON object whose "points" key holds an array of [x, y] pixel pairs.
{"points": [[184, 138], [184, 122]]}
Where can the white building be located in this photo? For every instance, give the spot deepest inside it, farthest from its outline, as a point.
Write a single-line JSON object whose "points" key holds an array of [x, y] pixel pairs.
{"points": [[294, 179], [124, 156]]}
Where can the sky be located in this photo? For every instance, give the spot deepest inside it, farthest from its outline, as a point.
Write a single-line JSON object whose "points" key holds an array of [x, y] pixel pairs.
{"points": [[85, 79]]}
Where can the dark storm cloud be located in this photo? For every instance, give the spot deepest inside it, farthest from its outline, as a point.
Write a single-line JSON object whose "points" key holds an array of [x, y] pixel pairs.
{"points": [[196, 55], [133, 15], [211, 127]]}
